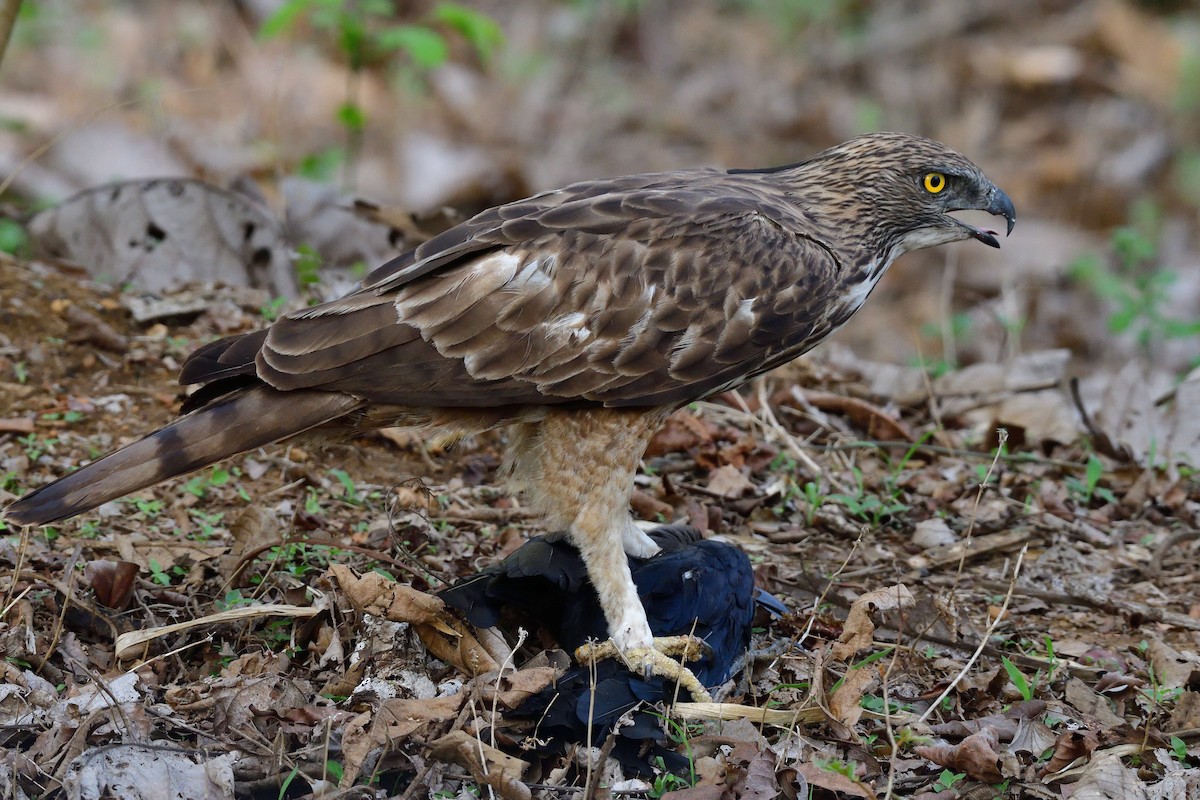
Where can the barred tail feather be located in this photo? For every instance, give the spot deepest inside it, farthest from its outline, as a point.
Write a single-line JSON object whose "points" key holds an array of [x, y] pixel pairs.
{"points": [[236, 423]]}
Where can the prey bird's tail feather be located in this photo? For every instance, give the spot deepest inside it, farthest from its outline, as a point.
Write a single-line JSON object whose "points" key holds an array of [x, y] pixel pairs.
{"points": [[233, 424]]}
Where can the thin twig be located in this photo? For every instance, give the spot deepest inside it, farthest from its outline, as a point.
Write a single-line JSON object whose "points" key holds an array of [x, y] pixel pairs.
{"points": [[1012, 585]]}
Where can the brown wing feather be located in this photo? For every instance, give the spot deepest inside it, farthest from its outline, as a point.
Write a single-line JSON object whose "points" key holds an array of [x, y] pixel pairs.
{"points": [[636, 297]]}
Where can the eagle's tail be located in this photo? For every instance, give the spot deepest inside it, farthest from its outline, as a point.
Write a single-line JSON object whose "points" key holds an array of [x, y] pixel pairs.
{"points": [[233, 424]]}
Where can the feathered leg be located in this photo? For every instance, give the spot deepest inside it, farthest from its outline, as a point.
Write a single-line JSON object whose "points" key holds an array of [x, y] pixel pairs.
{"points": [[586, 462]]}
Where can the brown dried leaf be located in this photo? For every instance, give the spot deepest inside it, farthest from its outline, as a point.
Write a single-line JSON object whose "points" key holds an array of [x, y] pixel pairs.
{"points": [[859, 629], [1186, 714], [833, 781], [167, 554], [846, 703], [647, 506], [1081, 696], [1071, 745], [1033, 736], [758, 781], [453, 642], [517, 687], [977, 755], [374, 594], [1172, 669], [84, 326], [681, 432], [873, 421], [728, 481], [486, 764], [112, 582], [357, 743]]}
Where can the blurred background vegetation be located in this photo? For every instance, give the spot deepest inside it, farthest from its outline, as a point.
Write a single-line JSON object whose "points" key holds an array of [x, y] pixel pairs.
{"points": [[1086, 112]]}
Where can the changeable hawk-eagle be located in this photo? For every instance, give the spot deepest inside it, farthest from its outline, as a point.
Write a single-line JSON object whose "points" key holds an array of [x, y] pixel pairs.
{"points": [[580, 318]]}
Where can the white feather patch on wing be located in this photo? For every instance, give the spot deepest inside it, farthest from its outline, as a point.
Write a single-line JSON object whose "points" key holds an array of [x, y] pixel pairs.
{"points": [[572, 326], [466, 284]]}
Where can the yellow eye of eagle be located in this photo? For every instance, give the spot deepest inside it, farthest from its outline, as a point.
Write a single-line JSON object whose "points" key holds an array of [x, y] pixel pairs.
{"points": [[934, 182]]}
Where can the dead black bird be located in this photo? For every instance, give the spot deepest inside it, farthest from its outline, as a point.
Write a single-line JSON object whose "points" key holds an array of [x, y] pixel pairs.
{"points": [[691, 586]]}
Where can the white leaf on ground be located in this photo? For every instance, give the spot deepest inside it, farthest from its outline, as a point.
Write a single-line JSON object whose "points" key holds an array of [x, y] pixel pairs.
{"points": [[933, 532], [134, 772], [164, 233], [1131, 413], [1106, 778]]}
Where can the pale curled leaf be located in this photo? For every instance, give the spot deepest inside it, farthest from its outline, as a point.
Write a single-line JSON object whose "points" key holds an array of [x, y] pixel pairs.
{"points": [[127, 642]]}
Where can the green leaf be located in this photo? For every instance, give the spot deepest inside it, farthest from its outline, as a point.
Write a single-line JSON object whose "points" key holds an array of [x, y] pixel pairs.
{"points": [[1095, 469], [284, 18], [352, 117], [423, 45], [483, 32], [1179, 748], [1018, 678], [322, 166], [12, 236]]}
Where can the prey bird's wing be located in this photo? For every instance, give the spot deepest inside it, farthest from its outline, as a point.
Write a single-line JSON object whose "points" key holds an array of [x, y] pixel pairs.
{"points": [[644, 291]]}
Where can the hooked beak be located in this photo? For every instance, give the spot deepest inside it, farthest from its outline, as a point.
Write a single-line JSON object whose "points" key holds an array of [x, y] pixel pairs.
{"points": [[998, 205]]}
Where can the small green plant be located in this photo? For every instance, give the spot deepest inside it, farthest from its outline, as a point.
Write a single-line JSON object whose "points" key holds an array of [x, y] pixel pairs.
{"points": [[665, 781], [9, 482], [366, 36], [232, 599], [1158, 694], [1179, 749], [815, 499], [150, 508], [868, 507], [1132, 279], [36, 447], [200, 484], [307, 266], [13, 239], [164, 577], [65, 416], [1085, 490], [287, 782], [334, 771], [312, 502], [206, 521], [947, 780], [1051, 658], [1018, 678], [349, 490], [846, 769], [270, 310]]}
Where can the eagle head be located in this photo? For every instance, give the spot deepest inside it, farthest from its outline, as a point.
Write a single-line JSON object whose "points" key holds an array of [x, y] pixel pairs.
{"points": [[901, 190]]}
